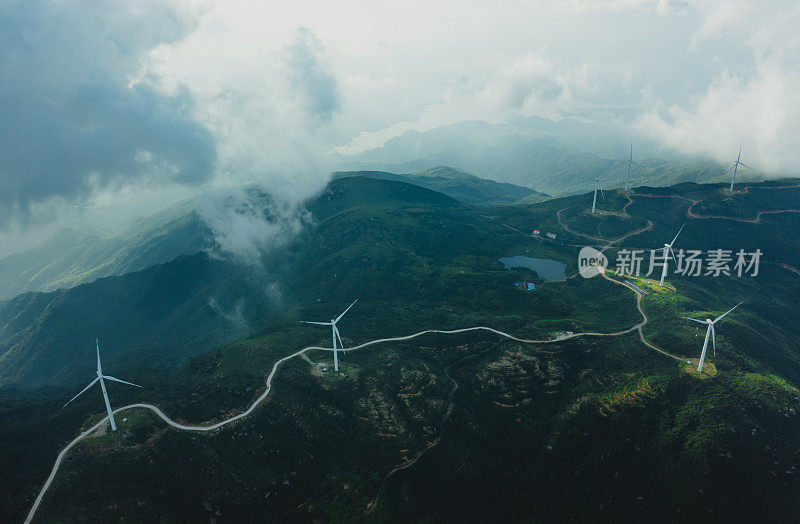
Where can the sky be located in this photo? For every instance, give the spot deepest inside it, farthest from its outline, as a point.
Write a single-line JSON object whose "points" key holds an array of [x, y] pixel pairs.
{"points": [[117, 107]]}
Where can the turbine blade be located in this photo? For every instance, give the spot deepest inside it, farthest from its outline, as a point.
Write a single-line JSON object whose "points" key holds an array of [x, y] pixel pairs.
{"points": [[676, 236], [731, 309], [118, 380], [602, 194], [82, 392], [317, 323], [714, 339], [346, 310], [99, 367], [339, 336], [745, 165], [729, 169], [695, 320], [671, 252]]}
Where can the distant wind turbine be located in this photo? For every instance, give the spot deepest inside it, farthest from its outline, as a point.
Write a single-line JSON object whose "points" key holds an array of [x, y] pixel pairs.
{"points": [[596, 186], [628, 168], [735, 167], [710, 323], [100, 377], [335, 332], [668, 251]]}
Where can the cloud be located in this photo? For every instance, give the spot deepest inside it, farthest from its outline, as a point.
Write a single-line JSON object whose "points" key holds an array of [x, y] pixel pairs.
{"points": [[531, 80], [235, 316], [98, 97], [76, 117], [247, 223], [757, 107], [309, 77]]}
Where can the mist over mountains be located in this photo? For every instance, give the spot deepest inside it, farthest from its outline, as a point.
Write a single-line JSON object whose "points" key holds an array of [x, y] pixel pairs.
{"points": [[558, 158]]}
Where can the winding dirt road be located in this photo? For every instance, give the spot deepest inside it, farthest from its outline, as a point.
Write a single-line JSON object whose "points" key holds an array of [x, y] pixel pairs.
{"points": [[691, 214], [609, 241]]}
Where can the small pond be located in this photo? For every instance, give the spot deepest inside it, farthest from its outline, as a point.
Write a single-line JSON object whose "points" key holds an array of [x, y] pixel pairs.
{"points": [[546, 268]]}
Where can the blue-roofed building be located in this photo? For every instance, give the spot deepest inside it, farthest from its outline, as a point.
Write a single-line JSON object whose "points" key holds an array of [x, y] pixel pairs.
{"points": [[530, 286]]}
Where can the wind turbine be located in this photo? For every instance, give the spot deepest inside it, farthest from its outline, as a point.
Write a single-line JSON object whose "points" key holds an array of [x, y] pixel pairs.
{"points": [[335, 333], [668, 251], [710, 323], [594, 200], [100, 377], [736, 165], [628, 168]]}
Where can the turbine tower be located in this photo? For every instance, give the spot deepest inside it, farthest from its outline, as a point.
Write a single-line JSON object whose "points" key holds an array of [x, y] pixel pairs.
{"points": [[335, 333], [628, 168], [668, 251], [710, 323], [735, 167], [100, 378], [594, 200]]}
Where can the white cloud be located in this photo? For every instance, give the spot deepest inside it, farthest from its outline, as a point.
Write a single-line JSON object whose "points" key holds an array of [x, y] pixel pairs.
{"points": [[248, 223], [315, 89], [756, 106], [530, 81]]}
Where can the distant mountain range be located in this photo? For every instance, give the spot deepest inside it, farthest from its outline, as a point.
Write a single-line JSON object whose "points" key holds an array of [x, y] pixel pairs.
{"points": [[74, 256], [559, 158]]}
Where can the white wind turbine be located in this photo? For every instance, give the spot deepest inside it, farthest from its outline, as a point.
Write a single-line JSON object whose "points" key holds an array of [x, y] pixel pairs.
{"points": [[596, 187], [668, 251], [735, 167], [100, 377], [710, 323], [335, 333], [628, 168]]}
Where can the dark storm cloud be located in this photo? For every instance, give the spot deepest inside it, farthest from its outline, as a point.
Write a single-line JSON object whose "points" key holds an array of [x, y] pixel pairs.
{"points": [[73, 116], [313, 84]]}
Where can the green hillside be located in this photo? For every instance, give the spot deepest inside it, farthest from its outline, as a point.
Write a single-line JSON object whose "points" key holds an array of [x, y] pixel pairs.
{"points": [[461, 186], [443, 426]]}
